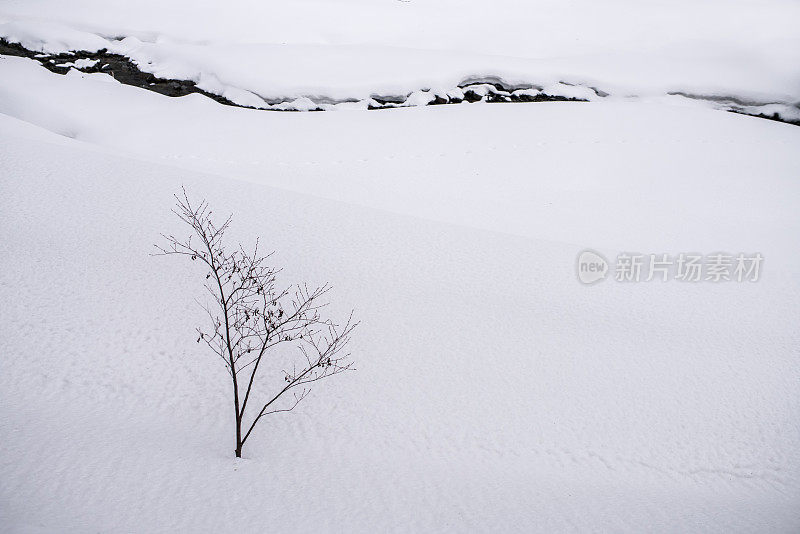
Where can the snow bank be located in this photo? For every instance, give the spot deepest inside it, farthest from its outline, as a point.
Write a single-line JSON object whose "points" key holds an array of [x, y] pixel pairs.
{"points": [[50, 38], [353, 50]]}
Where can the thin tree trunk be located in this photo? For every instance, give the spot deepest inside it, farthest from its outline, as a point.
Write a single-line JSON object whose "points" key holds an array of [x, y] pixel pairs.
{"points": [[238, 435], [238, 416]]}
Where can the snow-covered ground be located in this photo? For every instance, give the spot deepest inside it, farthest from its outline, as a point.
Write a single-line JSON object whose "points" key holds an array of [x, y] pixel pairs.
{"points": [[494, 391]]}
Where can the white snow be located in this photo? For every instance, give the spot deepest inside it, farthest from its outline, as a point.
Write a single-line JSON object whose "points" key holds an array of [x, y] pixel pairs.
{"points": [[493, 391], [420, 98], [79, 63], [569, 91], [94, 76], [52, 38], [352, 49]]}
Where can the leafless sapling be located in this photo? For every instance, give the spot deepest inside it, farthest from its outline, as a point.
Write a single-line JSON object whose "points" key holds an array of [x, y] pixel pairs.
{"points": [[250, 317]]}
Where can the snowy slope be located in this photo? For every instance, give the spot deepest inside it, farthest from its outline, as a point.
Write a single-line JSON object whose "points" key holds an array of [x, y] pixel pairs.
{"points": [[545, 170], [493, 392]]}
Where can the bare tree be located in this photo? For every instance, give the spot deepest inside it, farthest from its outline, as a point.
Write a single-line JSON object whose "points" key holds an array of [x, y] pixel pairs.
{"points": [[250, 316]]}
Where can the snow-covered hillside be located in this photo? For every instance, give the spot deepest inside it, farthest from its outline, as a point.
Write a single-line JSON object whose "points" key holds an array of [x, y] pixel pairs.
{"points": [[494, 391]]}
